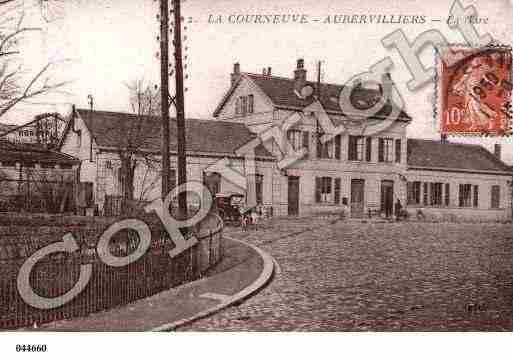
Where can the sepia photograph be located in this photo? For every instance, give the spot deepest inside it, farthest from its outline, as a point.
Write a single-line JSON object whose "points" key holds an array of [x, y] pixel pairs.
{"points": [[340, 169]]}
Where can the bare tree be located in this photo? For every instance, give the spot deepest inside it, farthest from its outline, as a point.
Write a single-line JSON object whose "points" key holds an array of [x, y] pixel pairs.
{"points": [[134, 136], [17, 84]]}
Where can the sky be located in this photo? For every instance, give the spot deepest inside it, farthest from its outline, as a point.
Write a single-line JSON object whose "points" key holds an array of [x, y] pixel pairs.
{"points": [[106, 44]]}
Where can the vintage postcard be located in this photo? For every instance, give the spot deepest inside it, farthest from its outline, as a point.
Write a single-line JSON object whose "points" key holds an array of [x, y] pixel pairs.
{"points": [[271, 166]]}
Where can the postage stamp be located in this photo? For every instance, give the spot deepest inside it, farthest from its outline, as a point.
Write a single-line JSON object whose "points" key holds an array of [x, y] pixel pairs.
{"points": [[474, 92]]}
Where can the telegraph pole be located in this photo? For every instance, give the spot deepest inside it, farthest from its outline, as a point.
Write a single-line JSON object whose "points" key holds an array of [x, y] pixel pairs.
{"points": [[178, 100], [164, 93], [180, 107]]}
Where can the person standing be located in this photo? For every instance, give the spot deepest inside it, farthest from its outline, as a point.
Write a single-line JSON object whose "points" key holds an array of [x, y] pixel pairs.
{"points": [[398, 209], [254, 218]]}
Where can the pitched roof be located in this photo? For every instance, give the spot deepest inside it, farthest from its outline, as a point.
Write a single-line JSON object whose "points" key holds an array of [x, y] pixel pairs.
{"points": [[448, 155], [280, 91], [115, 129], [7, 127], [32, 153]]}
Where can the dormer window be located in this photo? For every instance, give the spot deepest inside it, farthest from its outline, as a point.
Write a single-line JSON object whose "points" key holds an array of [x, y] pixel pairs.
{"points": [[244, 105]]}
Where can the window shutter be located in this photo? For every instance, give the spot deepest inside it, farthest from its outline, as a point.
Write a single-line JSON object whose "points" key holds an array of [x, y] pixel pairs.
{"points": [[337, 190], [352, 148], [306, 143], [368, 149], [328, 180], [337, 147], [496, 196], [476, 196], [319, 145], [409, 193], [172, 178], [447, 194], [317, 189], [381, 147], [398, 150], [250, 103]]}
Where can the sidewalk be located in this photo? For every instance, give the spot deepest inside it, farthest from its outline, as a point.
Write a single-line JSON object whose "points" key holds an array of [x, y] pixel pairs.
{"points": [[243, 270]]}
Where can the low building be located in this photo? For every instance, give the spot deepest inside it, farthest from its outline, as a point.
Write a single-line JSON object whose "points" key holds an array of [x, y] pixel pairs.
{"points": [[34, 178], [45, 129], [100, 138], [459, 181]]}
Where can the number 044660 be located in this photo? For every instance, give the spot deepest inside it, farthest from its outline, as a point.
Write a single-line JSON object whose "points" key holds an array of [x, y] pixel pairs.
{"points": [[37, 348]]}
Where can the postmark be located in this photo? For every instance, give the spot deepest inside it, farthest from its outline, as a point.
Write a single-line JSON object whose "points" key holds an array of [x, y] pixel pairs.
{"points": [[474, 92]]}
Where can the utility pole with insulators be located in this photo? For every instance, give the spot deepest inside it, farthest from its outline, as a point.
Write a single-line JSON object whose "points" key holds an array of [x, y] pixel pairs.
{"points": [[180, 107], [164, 94]]}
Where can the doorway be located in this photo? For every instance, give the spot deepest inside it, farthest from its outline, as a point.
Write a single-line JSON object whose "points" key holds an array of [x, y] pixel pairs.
{"points": [[387, 197], [357, 197], [293, 195]]}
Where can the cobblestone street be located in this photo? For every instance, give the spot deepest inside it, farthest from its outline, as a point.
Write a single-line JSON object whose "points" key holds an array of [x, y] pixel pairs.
{"points": [[378, 276]]}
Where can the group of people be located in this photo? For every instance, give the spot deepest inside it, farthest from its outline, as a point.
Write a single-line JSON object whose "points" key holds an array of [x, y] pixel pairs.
{"points": [[250, 217]]}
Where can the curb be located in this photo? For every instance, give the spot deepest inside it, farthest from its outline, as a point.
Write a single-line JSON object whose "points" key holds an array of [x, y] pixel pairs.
{"points": [[260, 282]]}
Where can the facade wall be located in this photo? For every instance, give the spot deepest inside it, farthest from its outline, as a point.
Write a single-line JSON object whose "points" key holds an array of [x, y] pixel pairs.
{"points": [[77, 143], [482, 212], [147, 182], [310, 167], [262, 109]]}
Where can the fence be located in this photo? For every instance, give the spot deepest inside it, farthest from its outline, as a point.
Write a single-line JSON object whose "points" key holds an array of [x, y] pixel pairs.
{"points": [[36, 196], [109, 286]]}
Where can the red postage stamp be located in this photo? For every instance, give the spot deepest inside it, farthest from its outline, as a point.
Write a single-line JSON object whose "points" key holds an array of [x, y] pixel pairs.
{"points": [[475, 91]]}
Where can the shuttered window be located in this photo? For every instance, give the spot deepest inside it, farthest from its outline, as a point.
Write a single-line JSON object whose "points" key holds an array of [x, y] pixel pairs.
{"points": [[475, 201], [355, 149], [413, 190], [323, 190], [465, 195], [447, 194], [295, 139], [326, 149], [436, 194], [244, 105]]}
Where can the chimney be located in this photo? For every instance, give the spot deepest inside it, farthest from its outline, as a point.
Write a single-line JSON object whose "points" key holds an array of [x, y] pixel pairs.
{"points": [[236, 73], [497, 150], [299, 75], [269, 71], [357, 83], [386, 85], [264, 71]]}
